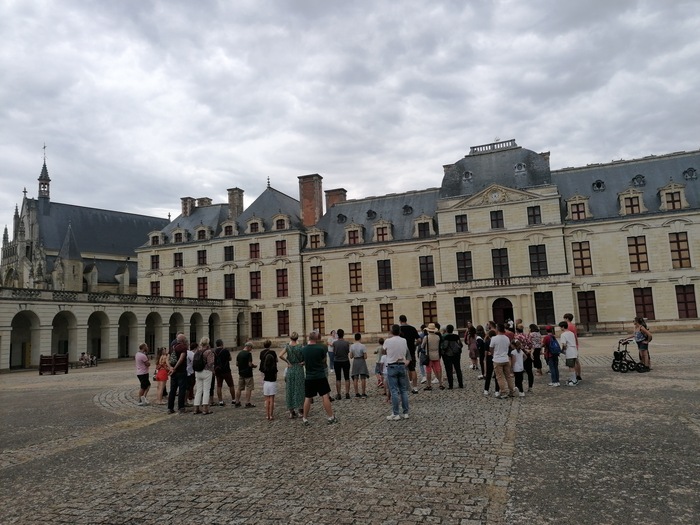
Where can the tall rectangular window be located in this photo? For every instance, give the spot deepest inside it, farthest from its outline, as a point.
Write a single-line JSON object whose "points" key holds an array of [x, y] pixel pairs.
{"points": [[497, 220], [228, 253], [229, 286], [644, 303], [382, 233], [463, 311], [155, 240], [427, 271], [177, 260], [318, 319], [256, 325], [673, 200], [632, 205], [355, 273], [357, 314], [178, 237], [386, 316], [534, 215], [353, 237], [228, 230], [465, 270], [155, 262], [587, 308], [581, 253], [254, 250], [538, 260], [282, 283], [429, 312], [201, 257], [280, 248], [577, 210], [254, 227], [178, 288], [637, 249], [314, 241], [499, 261], [384, 274], [282, 323], [202, 288], [317, 280], [680, 251], [255, 290], [280, 224], [155, 288], [201, 235], [685, 298], [461, 224], [544, 308], [423, 230]]}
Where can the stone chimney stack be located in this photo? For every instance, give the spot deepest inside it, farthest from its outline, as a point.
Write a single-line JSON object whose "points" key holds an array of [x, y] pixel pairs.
{"points": [[188, 205], [311, 198], [335, 196], [235, 203], [203, 201]]}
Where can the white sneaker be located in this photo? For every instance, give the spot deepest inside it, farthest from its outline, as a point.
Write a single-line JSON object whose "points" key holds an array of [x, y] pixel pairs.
{"points": [[393, 417], [571, 383], [423, 380], [480, 377], [145, 402], [486, 392], [522, 394], [557, 384], [405, 416], [497, 394], [435, 381], [551, 384]]}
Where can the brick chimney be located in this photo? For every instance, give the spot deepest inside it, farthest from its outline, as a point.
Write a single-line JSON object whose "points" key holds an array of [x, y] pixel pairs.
{"points": [[335, 196], [311, 198], [188, 205], [203, 201], [235, 203]]}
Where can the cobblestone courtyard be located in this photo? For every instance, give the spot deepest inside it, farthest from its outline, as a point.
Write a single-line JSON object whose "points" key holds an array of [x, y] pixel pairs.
{"points": [[617, 449]]}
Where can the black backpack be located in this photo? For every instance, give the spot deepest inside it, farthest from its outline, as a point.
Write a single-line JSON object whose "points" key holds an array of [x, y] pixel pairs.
{"points": [[198, 361]]}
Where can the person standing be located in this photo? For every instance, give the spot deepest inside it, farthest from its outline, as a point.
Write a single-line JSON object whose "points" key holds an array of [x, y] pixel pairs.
{"points": [[431, 345], [642, 336], [269, 370], [536, 340], [551, 355], [500, 346], [203, 377], [316, 382], [569, 318], [222, 372], [178, 375], [567, 341], [162, 369], [294, 393], [451, 356], [359, 371], [396, 352], [341, 349], [410, 334], [244, 363], [142, 365], [331, 356]]}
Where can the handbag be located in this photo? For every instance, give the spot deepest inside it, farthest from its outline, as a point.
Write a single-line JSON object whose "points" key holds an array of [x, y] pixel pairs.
{"points": [[424, 359]]}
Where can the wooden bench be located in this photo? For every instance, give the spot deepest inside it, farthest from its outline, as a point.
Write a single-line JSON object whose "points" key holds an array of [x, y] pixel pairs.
{"points": [[53, 363]]}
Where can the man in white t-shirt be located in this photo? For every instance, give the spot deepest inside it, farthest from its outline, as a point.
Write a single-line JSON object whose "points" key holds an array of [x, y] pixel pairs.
{"points": [[567, 341], [500, 345], [397, 356]]}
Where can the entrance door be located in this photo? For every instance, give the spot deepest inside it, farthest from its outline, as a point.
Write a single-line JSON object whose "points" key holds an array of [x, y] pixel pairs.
{"points": [[502, 310]]}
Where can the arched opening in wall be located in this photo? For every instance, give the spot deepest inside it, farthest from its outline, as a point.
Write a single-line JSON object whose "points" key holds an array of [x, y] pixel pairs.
{"points": [[214, 328], [63, 335], [176, 324], [154, 322], [241, 334], [98, 335], [127, 335], [24, 339], [502, 309], [196, 327]]}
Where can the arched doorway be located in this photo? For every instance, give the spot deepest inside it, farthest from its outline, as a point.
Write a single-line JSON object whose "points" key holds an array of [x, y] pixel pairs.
{"points": [[196, 327], [127, 335], [63, 335], [23, 338], [241, 335], [154, 322], [176, 324], [98, 334], [502, 310], [214, 328]]}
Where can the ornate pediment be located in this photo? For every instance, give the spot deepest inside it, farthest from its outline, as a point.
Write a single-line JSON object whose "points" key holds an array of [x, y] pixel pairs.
{"points": [[494, 194]]}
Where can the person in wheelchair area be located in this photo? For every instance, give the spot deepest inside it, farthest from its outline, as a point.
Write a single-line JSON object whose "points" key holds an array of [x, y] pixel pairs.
{"points": [[642, 336]]}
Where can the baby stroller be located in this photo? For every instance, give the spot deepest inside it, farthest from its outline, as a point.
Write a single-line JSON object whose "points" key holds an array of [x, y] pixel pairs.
{"points": [[623, 360]]}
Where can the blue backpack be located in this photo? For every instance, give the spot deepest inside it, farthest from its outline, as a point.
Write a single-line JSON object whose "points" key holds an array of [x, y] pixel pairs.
{"points": [[554, 347]]}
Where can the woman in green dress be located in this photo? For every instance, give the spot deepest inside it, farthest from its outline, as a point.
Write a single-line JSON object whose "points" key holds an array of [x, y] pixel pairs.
{"points": [[291, 354]]}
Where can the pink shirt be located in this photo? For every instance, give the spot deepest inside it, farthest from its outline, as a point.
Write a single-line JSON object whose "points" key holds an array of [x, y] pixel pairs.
{"points": [[142, 363]]}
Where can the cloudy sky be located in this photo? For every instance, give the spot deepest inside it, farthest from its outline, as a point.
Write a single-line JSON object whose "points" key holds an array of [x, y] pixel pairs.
{"points": [[141, 103]]}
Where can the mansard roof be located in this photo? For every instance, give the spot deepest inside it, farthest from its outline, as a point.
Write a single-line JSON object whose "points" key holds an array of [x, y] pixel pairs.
{"points": [[602, 183], [400, 209], [95, 230], [210, 216], [504, 163], [270, 203]]}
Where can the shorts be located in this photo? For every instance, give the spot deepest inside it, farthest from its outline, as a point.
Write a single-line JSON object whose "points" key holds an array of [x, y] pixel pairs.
{"points": [[571, 362], [143, 379], [360, 376], [643, 347], [269, 388], [342, 368], [224, 376], [378, 368], [245, 383], [316, 386], [434, 366], [162, 375], [412, 363]]}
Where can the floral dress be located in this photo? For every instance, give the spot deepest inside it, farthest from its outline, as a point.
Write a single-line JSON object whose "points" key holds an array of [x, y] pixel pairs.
{"points": [[295, 378]]}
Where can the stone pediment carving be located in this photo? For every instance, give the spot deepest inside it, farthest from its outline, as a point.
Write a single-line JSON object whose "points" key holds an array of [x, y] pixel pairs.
{"points": [[494, 194]]}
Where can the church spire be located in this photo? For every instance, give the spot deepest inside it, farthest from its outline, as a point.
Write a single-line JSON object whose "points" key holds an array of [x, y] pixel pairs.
{"points": [[44, 180]]}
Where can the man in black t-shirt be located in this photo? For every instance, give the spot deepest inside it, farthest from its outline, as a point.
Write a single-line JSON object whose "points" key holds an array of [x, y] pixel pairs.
{"points": [[222, 371], [244, 362], [410, 334], [178, 375]]}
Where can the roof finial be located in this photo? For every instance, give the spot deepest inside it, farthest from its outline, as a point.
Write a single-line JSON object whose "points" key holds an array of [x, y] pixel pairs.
{"points": [[268, 182], [25, 191], [44, 152]]}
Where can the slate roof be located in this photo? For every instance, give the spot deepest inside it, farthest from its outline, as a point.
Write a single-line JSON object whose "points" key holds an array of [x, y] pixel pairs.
{"points": [[504, 163], [210, 216], [69, 249], [95, 231], [657, 171], [107, 269], [388, 207]]}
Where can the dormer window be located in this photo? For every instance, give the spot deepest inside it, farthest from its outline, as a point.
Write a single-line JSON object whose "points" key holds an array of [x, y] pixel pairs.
{"points": [[280, 221], [423, 227], [631, 202], [202, 233], [423, 230], [354, 234], [354, 237], [178, 237], [382, 231], [316, 238], [254, 227], [672, 197], [228, 230], [155, 240], [280, 224], [577, 208]]}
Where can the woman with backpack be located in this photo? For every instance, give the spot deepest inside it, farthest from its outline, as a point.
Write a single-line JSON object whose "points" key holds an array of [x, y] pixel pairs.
{"points": [[203, 365], [551, 353]]}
